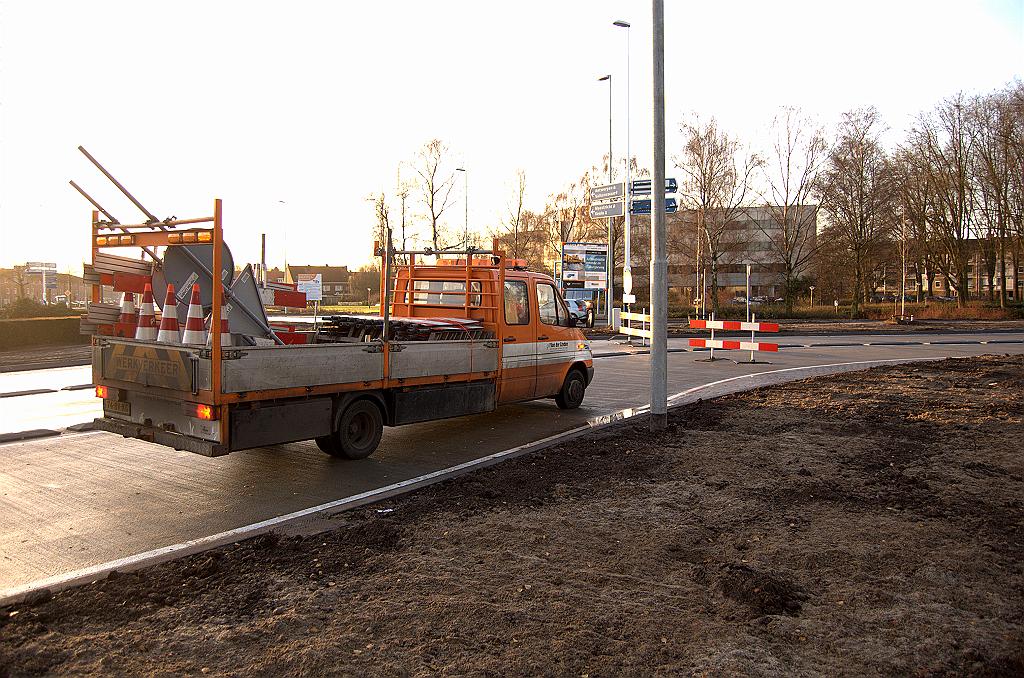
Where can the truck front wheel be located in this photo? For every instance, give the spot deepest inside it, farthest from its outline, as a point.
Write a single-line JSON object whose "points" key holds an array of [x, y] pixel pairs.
{"points": [[357, 434], [573, 389]]}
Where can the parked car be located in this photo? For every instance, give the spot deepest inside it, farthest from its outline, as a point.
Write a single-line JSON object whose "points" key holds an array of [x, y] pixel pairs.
{"points": [[582, 310]]}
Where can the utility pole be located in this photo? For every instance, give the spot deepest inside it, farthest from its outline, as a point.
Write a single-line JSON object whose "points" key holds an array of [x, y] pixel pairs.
{"points": [[610, 262], [263, 259], [659, 263], [627, 269]]}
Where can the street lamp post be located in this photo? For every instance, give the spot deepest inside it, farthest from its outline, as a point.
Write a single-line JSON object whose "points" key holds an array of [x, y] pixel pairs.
{"points": [[465, 192], [610, 263], [627, 272], [659, 256]]}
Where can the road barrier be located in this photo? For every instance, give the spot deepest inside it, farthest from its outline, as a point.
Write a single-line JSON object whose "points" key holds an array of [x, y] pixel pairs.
{"points": [[731, 344], [644, 331]]}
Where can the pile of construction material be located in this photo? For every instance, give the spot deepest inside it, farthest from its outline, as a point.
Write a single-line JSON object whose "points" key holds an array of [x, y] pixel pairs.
{"points": [[354, 328]]}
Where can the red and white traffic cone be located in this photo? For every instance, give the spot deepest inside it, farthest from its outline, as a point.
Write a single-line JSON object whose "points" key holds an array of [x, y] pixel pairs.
{"points": [[127, 321], [146, 329], [169, 333], [195, 333], [225, 333]]}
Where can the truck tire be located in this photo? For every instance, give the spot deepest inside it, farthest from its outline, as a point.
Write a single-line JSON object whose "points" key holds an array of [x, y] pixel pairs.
{"points": [[326, 444], [358, 431], [573, 389]]}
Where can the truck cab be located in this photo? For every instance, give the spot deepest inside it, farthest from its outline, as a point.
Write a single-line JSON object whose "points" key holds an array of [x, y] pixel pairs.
{"points": [[543, 353]]}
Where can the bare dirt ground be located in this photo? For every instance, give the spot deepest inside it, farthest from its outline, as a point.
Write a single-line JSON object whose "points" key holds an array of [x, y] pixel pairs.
{"points": [[868, 523]]}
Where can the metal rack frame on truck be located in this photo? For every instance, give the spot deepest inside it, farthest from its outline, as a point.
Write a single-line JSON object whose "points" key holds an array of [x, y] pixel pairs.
{"points": [[437, 350]]}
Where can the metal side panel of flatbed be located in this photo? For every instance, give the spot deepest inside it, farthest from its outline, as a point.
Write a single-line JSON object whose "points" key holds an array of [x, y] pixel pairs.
{"points": [[264, 368], [187, 369], [414, 359]]}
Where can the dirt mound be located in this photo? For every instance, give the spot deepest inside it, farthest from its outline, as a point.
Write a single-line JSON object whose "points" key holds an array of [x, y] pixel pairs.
{"points": [[763, 592]]}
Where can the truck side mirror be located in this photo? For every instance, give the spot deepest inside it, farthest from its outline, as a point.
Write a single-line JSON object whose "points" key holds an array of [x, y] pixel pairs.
{"points": [[572, 321]]}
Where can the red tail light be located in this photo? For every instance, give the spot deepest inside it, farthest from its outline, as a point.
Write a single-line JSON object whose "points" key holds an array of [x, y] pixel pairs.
{"points": [[102, 392], [200, 411]]}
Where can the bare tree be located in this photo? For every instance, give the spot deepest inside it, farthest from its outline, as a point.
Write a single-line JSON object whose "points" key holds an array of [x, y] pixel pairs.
{"points": [[20, 280], [512, 223], [529, 244], [914, 202], [943, 144], [403, 189], [435, 184], [856, 192], [994, 125], [382, 228], [717, 174], [790, 176]]}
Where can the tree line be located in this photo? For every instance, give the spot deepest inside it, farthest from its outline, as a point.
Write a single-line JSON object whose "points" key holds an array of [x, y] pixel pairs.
{"points": [[949, 191]]}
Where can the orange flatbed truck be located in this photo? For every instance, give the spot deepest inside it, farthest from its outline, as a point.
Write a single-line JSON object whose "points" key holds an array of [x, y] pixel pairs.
{"points": [[216, 400]]}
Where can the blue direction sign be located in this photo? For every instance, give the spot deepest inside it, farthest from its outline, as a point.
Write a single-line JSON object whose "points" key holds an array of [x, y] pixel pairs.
{"points": [[644, 206], [643, 186]]}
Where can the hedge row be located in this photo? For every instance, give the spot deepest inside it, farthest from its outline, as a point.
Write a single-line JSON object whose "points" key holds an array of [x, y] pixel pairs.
{"points": [[29, 332]]}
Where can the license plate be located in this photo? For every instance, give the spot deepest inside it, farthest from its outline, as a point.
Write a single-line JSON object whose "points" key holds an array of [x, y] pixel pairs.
{"points": [[118, 407]]}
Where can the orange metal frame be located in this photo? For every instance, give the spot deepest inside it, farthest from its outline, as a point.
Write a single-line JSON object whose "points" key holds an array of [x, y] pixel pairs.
{"points": [[473, 270]]}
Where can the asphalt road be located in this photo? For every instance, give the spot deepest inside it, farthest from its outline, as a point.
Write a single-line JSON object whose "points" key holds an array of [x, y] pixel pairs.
{"points": [[78, 500]]}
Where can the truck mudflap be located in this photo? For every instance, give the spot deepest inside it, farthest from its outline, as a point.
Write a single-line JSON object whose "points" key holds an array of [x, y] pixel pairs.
{"points": [[178, 441]]}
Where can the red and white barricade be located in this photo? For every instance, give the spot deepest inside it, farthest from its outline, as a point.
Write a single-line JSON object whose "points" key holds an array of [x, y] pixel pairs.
{"points": [[732, 344]]}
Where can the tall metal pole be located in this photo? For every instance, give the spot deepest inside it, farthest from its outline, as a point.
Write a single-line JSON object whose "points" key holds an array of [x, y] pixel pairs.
{"points": [[610, 260], [748, 292], [609, 294], [465, 192], [659, 262], [627, 272], [263, 258]]}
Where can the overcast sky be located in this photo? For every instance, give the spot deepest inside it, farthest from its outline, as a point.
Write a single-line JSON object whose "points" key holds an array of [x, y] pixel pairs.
{"points": [[294, 113]]}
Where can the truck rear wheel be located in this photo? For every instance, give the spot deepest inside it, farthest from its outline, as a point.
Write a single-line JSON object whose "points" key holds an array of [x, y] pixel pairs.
{"points": [[357, 432], [573, 389], [326, 444]]}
